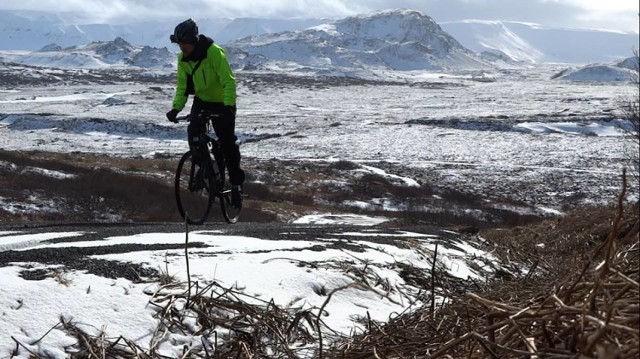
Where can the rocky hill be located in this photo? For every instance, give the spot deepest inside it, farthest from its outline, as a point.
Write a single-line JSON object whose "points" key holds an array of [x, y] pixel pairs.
{"points": [[620, 71], [98, 54], [395, 39]]}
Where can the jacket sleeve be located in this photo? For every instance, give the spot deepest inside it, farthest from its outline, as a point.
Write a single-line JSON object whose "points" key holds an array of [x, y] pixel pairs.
{"points": [[180, 98], [225, 75]]}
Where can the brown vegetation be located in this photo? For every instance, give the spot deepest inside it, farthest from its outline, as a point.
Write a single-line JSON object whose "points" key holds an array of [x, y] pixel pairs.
{"points": [[579, 298], [572, 290], [100, 188], [576, 295], [587, 308]]}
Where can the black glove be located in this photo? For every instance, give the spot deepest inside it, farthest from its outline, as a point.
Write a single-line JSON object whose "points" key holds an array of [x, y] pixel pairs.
{"points": [[171, 115]]}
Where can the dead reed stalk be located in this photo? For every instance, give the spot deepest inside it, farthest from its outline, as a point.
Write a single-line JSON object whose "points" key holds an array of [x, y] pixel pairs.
{"points": [[594, 313]]}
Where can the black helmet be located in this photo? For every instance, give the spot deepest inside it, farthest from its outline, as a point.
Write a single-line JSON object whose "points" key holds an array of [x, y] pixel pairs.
{"points": [[186, 31]]}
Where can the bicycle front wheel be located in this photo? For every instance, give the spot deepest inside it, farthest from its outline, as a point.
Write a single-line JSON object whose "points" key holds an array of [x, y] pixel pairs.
{"points": [[194, 189], [230, 213]]}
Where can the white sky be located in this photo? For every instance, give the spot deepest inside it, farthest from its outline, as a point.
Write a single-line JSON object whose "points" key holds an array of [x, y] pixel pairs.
{"points": [[610, 14]]}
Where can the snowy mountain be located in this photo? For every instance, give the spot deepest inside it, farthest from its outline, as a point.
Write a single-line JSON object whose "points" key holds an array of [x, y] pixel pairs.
{"points": [[244, 27], [631, 63], [27, 30], [31, 30], [624, 70], [535, 43], [116, 53], [394, 39]]}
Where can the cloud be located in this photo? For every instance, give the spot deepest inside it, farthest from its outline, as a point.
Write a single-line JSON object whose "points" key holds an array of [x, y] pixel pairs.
{"points": [[616, 14], [620, 15]]}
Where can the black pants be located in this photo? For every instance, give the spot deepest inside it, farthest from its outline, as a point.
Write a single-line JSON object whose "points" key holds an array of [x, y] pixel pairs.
{"points": [[224, 128]]}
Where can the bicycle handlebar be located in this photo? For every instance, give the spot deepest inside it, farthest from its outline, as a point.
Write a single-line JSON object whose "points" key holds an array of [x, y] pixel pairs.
{"points": [[187, 118]]}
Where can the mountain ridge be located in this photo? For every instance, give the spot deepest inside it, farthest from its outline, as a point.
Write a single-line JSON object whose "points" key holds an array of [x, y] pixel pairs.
{"points": [[393, 39], [402, 40], [535, 43], [97, 54], [510, 40]]}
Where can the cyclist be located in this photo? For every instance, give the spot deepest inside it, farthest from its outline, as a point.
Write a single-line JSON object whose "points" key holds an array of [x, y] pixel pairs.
{"points": [[204, 71]]}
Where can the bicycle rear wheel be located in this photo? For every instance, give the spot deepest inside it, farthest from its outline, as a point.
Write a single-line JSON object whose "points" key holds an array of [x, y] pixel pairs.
{"points": [[194, 190]]}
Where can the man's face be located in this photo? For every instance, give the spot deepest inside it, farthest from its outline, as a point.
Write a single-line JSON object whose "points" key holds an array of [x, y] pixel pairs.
{"points": [[186, 49]]}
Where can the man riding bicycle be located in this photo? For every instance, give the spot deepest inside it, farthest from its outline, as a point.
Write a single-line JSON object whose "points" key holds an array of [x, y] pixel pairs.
{"points": [[204, 71]]}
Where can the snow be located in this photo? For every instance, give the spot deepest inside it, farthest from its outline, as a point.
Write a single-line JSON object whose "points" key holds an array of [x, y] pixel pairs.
{"points": [[88, 300], [261, 269], [328, 218], [493, 36], [536, 43], [600, 128], [115, 53], [367, 134], [33, 31], [407, 181], [444, 128], [491, 130], [396, 39], [14, 242], [66, 98], [598, 72]]}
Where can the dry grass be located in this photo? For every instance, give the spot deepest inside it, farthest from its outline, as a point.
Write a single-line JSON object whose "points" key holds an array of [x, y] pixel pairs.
{"points": [[592, 311], [577, 299], [102, 189], [584, 307], [574, 293], [114, 189]]}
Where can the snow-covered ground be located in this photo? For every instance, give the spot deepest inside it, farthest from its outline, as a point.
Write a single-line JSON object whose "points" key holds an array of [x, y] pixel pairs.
{"points": [[512, 132], [520, 126], [524, 137], [297, 271]]}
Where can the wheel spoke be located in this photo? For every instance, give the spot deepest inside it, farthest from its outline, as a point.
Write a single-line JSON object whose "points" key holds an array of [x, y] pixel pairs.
{"points": [[192, 191]]}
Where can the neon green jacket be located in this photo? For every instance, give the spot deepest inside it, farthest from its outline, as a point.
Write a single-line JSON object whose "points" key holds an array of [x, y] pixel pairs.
{"points": [[213, 80]]}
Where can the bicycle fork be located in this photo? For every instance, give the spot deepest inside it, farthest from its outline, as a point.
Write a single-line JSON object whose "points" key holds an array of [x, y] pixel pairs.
{"points": [[216, 169]]}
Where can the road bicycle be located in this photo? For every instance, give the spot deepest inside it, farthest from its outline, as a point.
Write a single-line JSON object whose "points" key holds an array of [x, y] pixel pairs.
{"points": [[201, 176]]}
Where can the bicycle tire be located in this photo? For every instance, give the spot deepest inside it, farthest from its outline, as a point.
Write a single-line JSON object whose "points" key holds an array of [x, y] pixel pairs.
{"points": [[230, 213], [194, 203]]}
